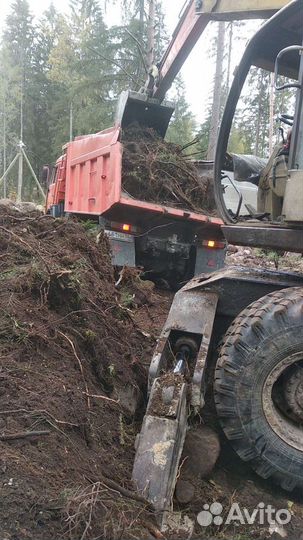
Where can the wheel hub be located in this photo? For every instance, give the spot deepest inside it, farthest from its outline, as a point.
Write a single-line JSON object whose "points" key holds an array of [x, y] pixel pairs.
{"points": [[285, 414], [293, 393]]}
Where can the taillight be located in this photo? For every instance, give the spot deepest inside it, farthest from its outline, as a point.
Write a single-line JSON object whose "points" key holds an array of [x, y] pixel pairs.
{"points": [[213, 244], [124, 227]]}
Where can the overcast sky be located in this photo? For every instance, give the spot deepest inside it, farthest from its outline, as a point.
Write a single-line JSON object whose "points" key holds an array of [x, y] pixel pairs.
{"points": [[197, 71]]}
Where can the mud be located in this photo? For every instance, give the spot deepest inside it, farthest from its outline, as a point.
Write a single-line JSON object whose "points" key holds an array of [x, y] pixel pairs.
{"points": [[75, 347], [72, 386]]}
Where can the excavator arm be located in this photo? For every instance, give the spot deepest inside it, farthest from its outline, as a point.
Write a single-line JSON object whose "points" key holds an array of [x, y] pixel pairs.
{"points": [[146, 107], [193, 21]]}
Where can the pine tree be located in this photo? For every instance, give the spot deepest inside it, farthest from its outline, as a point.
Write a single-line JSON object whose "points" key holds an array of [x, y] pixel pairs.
{"points": [[42, 88], [217, 95], [182, 126], [16, 75]]}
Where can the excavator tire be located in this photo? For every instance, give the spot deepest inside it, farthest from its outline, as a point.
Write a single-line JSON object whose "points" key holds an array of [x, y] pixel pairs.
{"points": [[258, 379]]}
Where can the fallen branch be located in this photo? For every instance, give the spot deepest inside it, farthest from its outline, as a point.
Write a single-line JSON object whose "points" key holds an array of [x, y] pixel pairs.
{"points": [[111, 484], [152, 529], [35, 413], [23, 435]]}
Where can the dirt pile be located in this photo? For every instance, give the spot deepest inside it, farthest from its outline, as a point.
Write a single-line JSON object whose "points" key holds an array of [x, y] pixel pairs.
{"points": [[156, 171], [71, 386]]}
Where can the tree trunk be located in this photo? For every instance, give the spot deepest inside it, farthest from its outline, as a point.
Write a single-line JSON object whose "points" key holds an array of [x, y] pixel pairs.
{"points": [[151, 34], [4, 142], [259, 113], [271, 112], [215, 117], [229, 55], [141, 19]]}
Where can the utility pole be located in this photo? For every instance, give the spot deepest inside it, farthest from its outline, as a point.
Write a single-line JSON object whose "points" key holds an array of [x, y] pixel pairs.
{"points": [[20, 164], [71, 121], [215, 117], [4, 142], [271, 112], [20, 174], [19, 156]]}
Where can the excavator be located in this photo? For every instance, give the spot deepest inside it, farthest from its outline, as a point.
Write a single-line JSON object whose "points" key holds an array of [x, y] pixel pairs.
{"points": [[235, 334]]}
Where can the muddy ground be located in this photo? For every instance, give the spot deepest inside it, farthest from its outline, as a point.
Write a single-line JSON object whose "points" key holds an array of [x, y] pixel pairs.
{"points": [[75, 345], [72, 385]]}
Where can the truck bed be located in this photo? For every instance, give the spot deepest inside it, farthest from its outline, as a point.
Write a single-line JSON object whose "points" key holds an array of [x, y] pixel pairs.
{"points": [[94, 184]]}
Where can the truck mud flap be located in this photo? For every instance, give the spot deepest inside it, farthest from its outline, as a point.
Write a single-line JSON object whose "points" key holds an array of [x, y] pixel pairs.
{"points": [[123, 251]]}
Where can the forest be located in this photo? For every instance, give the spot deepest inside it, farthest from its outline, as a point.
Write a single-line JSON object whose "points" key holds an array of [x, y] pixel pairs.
{"points": [[61, 75]]}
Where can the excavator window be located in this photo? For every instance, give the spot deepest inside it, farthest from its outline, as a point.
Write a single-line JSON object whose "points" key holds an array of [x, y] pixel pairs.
{"points": [[278, 33]]}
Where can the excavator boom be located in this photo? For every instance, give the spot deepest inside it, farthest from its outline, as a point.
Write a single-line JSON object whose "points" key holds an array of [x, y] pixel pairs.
{"points": [[145, 107], [192, 23]]}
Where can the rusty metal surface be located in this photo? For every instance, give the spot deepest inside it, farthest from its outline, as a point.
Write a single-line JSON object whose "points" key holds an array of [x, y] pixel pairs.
{"points": [[187, 311], [190, 312], [287, 430], [243, 273], [209, 314], [238, 287], [209, 260], [293, 393], [159, 451], [122, 246]]}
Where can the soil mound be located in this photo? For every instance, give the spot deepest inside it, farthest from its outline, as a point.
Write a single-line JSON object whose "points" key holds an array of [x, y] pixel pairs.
{"points": [[71, 385], [156, 171]]}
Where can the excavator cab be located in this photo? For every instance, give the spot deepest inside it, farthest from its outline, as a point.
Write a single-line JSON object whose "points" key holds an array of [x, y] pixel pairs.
{"points": [[276, 48]]}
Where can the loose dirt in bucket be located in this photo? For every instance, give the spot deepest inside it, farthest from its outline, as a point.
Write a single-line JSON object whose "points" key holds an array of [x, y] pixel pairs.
{"points": [[156, 171]]}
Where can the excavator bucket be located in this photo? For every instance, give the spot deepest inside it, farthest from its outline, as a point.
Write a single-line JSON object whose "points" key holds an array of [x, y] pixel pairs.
{"points": [[147, 112]]}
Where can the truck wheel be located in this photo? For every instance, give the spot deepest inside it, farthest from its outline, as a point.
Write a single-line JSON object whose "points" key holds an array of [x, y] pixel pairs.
{"points": [[258, 387]]}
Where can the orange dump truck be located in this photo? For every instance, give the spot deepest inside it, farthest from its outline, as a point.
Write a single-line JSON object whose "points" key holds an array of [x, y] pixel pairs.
{"points": [[168, 242]]}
